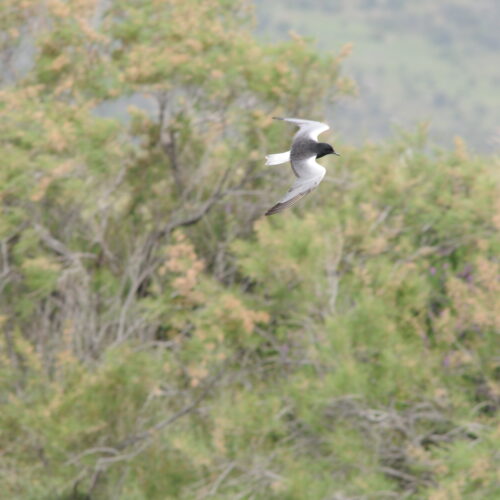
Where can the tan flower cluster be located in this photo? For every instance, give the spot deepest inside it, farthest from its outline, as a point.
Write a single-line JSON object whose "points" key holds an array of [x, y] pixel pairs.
{"points": [[181, 260], [44, 183], [234, 311], [476, 303]]}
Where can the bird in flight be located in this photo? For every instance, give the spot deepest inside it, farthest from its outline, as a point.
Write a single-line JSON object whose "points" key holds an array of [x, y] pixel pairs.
{"points": [[302, 156]]}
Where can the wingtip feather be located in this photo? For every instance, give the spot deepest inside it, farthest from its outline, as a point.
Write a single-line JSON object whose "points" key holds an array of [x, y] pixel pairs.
{"points": [[272, 211], [279, 207], [276, 209]]}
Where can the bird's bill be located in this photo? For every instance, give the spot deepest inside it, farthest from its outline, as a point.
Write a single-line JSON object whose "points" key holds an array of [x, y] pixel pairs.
{"points": [[336, 154]]}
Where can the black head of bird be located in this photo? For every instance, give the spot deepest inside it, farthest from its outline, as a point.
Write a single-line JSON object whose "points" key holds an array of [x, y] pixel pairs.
{"points": [[323, 149]]}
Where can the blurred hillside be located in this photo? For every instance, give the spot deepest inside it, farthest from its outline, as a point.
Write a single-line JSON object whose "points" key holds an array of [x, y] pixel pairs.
{"points": [[413, 62], [161, 339]]}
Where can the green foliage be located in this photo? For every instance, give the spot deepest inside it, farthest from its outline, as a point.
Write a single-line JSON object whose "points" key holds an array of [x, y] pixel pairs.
{"points": [[160, 339]]}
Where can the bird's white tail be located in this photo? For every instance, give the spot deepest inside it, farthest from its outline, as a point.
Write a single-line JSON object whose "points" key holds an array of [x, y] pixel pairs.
{"points": [[278, 158]]}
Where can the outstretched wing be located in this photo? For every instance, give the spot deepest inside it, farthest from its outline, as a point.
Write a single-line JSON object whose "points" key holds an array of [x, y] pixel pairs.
{"points": [[302, 186], [307, 128]]}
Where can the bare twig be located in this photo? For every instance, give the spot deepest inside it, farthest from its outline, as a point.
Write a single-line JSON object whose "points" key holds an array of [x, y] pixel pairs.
{"points": [[92, 451], [58, 247], [5, 272], [408, 478], [220, 479], [169, 145], [176, 416], [203, 210]]}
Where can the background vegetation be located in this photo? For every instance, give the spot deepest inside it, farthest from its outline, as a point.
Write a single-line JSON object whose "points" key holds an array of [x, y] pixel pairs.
{"points": [[161, 339], [412, 61]]}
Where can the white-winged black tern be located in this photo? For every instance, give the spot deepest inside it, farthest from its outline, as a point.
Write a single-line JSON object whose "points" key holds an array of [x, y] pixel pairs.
{"points": [[302, 156]]}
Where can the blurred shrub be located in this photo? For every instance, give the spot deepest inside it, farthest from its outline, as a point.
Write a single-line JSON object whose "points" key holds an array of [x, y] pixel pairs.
{"points": [[160, 339]]}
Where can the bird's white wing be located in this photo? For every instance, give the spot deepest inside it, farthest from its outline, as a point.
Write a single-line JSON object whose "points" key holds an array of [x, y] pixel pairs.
{"points": [[313, 175], [307, 128]]}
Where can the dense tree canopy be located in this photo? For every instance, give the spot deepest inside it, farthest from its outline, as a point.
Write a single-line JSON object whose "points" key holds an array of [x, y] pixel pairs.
{"points": [[161, 339]]}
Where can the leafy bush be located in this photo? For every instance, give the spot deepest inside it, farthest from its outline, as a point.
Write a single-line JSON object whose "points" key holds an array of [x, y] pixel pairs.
{"points": [[160, 339]]}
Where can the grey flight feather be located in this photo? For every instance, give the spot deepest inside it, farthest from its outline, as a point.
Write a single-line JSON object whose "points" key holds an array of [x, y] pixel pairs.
{"points": [[279, 207]]}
